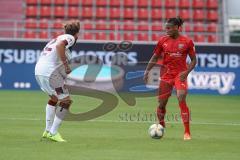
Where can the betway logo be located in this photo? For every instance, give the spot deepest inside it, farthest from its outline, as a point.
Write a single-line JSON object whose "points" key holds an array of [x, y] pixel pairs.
{"points": [[220, 81]]}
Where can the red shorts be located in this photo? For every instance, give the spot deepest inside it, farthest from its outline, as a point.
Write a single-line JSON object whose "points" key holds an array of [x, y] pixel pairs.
{"points": [[166, 86]]}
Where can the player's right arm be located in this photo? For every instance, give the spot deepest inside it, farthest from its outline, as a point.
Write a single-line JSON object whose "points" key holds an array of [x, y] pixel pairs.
{"points": [[60, 47], [156, 54], [150, 65]]}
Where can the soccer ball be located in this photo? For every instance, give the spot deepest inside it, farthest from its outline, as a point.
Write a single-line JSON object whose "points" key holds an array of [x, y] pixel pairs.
{"points": [[156, 131]]}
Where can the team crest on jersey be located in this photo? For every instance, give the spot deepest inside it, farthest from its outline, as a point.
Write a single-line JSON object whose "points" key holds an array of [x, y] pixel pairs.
{"points": [[165, 45], [180, 46]]}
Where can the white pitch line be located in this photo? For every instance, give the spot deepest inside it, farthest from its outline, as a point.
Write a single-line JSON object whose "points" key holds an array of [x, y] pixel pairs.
{"points": [[115, 121], [197, 123]]}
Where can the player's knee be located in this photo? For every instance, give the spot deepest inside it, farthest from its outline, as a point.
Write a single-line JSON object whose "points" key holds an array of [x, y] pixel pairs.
{"points": [[65, 103], [53, 101], [162, 103], [54, 98], [181, 97]]}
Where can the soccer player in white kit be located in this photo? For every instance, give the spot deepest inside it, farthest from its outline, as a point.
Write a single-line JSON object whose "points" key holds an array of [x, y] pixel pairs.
{"points": [[54, 56]]}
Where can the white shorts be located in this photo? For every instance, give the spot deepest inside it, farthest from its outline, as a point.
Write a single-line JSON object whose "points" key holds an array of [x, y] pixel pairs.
{"points": [[53, 85]]}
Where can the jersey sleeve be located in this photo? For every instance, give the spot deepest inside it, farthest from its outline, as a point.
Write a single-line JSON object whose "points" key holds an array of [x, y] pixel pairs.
{"points": [[158, 49], [191, 47], [68, 39]]}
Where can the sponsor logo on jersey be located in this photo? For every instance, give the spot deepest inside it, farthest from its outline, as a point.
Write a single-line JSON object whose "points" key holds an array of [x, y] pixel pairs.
{"points": [[180, 46], [177, 54]]}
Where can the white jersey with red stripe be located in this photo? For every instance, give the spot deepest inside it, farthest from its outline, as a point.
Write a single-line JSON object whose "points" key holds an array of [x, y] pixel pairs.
{"points": [[49, 59]]}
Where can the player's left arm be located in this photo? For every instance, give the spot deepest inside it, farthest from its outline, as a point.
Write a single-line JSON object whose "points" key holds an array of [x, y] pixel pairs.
{"points": [[192, 64], [60, 47], [65, 42]]}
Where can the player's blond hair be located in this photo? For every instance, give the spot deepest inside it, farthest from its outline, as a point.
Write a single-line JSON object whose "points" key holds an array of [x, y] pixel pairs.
{"points": [[72, 27]]}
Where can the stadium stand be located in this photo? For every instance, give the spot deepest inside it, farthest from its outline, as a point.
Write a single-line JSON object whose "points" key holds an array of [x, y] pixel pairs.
{"points": [[122, 19]]}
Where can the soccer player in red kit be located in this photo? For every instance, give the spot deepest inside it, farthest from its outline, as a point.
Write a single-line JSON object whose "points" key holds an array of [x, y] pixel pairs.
{"points": [[173, 48]]}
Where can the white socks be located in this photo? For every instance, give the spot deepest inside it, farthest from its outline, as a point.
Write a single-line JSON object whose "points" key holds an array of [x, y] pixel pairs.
{"points": [[59, 116], [50, 113]]}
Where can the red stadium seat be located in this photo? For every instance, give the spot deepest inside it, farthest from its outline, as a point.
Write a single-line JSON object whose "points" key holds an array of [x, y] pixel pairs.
{"points": [[184, 3], [199, 27], [128, 3], [128, 36], [87, 12], [59, 12], [43, 23], [129, 25], [155, 36], [128, 13], [143, 26], [157, 14], [31, 23], [30, 34], [72, 12], [114, 25], [73, 2], [187, 27], [170, 13], [142, 3], [212, 27], [101, 2], [101, 36], [199, 38], [212, 15], [114, 36], [111, 36], [142, 36], [198, 4], [43, 35], [31, 2], [58, 2], [45, 11], [142, 13], [101, 12], [212, 4], [170, 3], [31, 11], [185, 14], [56, 33], [88, 35], [88, 25], [102, 25], [157, 3], [87, 2], [58, 24], [198, 14], [45, 2], [114, 13], [157, 26], [212, 38], [115, 3]]}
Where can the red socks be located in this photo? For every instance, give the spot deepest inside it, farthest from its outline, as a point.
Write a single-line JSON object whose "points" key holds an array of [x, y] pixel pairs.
{"points": [[185, 115], [160, 115]]}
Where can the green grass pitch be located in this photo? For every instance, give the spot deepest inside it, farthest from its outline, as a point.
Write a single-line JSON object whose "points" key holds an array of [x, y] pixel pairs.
{"points": [[122, 133]]}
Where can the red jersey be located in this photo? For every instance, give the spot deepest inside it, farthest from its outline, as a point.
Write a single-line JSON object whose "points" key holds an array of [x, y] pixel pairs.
{"points": [[173, 53]]}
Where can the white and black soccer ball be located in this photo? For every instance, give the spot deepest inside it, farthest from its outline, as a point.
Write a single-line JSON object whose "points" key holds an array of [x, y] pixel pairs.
{"points": [[156, 131]]}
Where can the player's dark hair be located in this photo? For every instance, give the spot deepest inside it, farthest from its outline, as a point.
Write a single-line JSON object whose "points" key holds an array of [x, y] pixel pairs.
{"points": [[72, 27], [177, 21]]}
